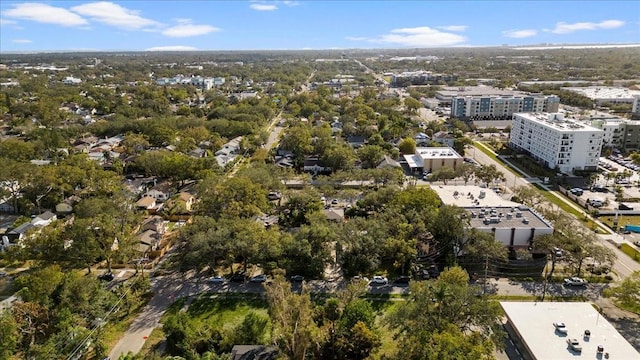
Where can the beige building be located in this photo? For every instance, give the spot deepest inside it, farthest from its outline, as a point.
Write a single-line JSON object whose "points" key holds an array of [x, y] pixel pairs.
{"points": [[430, 159]]}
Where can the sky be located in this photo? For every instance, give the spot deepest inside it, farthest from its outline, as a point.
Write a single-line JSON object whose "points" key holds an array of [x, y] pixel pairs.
{"points": [[27, 26]]}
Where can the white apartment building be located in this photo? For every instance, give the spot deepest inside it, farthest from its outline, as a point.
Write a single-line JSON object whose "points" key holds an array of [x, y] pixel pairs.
{"points": [[492, 107], [619, 133], [557, 142]]}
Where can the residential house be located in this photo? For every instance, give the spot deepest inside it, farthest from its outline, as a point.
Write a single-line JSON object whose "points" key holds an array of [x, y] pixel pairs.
{"points": [[6, 206], [356, 141], [336, 215], [64, 209], [314, 165], [146, 203], [181, 203], [388, 162], [154, 223], [160, 191], [228, 152], [44, 219], [284, 161], [149, 240], [444, 138], [422, 139], [253, 352]]}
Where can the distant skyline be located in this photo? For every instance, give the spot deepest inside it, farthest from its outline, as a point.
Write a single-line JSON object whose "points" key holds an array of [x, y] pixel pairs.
{"points": [[27, 26]]}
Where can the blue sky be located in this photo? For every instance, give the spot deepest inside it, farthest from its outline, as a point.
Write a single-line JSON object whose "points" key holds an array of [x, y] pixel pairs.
{"points": [[311, 24]]}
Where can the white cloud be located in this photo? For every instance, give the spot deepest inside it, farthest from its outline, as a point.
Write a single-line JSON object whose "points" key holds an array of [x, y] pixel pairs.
{"points": [[519, 34], [44, 13], [7, 22], [564, 28], [263, 7], [291, 3], [422, 36], [115, 15], [172, 48], [456, 28], [21, 41], [186, 30]]}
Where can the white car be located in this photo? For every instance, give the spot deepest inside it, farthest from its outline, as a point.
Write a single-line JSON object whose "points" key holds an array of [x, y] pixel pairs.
{"points": [[379, 280], [561, 327], [575, 281]]}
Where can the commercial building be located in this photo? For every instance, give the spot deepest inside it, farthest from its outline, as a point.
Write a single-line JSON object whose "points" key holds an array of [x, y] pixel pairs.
{"points": [[431, 159], [556, 142], [606, 95], [530, 325], [513, 224]]}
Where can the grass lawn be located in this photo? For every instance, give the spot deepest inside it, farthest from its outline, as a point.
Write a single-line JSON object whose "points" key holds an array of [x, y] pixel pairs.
{"points": [[629, 250], [567, 208], [225, 311], [622, 220], [485, 149]]}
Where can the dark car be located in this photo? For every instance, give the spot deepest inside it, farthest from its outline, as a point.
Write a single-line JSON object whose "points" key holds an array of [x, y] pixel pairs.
{"points": [[106, 276], [599, 189], [622, 206], [237, 278], [402, 280]]}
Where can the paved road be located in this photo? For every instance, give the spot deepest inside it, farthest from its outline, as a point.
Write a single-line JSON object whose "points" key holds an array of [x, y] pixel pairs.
{"points": [[166, 290]]}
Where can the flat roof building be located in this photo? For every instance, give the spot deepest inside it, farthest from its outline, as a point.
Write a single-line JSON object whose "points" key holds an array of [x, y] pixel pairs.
{"points": [[531, 325], [603, 94], [433, 158], [556, 142], [513, 224]]}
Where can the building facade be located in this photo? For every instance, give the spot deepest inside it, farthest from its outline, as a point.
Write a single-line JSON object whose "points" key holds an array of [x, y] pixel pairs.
{"points": [[430, 159], [619, 133], [556, 142], [501, 108]]}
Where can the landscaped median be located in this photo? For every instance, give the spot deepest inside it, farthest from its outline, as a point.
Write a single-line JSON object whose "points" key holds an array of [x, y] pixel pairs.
{"points": [[629, 250]]}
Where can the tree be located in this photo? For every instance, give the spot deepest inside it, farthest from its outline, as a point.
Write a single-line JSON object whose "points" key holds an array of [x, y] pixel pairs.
{"points": [[529, 196], [9, 336], [412, 104], [627, 293], [444, 174], [338, 157], [234, 197], [447, 305], [466, 171], [407, 146], [488, 174], [370, 155], [294, 331], [460, 143]]}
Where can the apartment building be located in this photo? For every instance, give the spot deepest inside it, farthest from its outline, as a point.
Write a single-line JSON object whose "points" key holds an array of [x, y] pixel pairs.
{"points": [[557, 142], [619, 133], [635, 111], [490, 107]]}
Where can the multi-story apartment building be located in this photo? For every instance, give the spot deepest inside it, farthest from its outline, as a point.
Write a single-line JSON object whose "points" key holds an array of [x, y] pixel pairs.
{"points": [[619, 133], [488, 107], [556, 142], [635, 111]]}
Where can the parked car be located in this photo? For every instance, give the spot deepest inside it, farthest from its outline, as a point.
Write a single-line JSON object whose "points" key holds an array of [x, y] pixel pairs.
{"points": [[108, 276], [599, 188], [402, 280], [259, 278], [575, 281], [557, 252], [637, 243], [574, 345], [379, 280], [561, 327], [596, 203], [297, 278], [237, 278], [622, 206], [576, 191], [216, 280], [274, 195]]}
